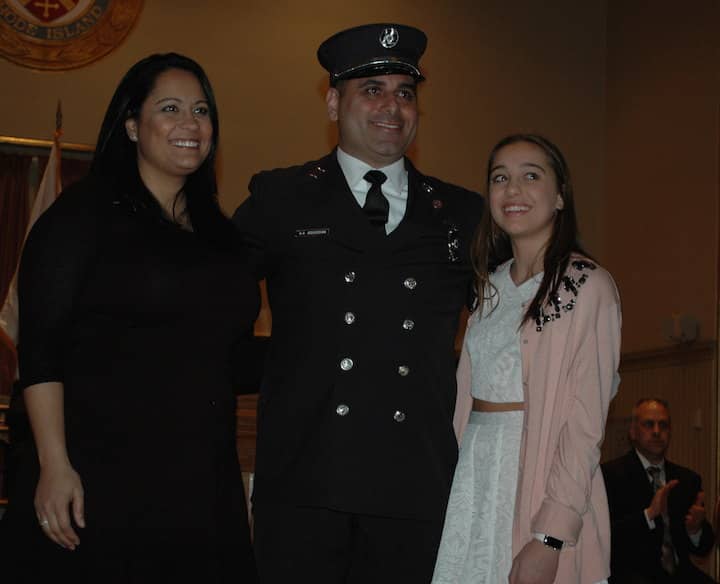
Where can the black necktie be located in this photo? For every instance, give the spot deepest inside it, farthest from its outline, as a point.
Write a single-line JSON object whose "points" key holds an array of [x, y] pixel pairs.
{"points": [[376, 205]]}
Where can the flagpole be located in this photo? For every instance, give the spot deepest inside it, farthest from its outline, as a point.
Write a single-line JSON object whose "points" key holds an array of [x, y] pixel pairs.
{"points": [[56, 139]]}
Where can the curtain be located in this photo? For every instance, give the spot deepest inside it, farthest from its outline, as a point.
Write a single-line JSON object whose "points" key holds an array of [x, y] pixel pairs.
{"points": [[14, 213]]}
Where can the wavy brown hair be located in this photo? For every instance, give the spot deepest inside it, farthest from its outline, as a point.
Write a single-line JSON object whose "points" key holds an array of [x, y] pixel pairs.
{"points": [[491, 246]]}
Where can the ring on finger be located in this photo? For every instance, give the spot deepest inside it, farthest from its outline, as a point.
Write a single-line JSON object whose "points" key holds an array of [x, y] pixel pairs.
{"points": [[44, 523]]}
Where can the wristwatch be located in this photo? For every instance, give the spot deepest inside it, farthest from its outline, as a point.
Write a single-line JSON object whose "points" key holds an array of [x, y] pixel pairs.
{"points": [[550, 541]]}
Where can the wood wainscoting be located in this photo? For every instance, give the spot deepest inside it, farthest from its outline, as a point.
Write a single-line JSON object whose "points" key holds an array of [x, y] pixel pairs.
{"points": [[684, 376], [246, 430]]}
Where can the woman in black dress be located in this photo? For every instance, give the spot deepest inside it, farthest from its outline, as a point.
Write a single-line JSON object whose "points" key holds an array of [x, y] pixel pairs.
{"points": [[134, 306]]}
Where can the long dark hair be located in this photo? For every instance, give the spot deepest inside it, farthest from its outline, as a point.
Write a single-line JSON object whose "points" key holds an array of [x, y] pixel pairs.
{"points": [[115, 160], [491, 246]]}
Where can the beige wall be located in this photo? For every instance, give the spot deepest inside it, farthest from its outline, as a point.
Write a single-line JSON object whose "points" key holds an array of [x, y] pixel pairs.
{"points": [[662, 163], [627, 89], [491, 70]]}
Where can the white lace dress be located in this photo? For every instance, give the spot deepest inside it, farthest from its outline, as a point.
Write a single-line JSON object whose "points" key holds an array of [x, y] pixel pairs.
{"points": [[476, 545]]}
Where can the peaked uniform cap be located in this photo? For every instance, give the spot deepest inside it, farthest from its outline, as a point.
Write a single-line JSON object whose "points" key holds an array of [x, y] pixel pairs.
{"points": [[373, 49]]}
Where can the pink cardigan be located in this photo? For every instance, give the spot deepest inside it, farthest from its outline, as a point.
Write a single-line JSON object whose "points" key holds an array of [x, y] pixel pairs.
{"points": [[569, 377]]}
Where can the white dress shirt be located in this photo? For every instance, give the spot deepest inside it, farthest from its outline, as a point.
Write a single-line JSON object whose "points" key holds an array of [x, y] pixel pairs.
{"points": [[395, 188]]}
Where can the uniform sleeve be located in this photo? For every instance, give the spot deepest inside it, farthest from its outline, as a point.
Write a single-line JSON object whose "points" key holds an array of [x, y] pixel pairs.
{"points": [[56, 257], [250, 218], [593, 376]]}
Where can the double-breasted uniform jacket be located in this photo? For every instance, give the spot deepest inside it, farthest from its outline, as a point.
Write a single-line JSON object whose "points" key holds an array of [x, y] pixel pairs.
{"points": [[355, 409], [636, 549]]}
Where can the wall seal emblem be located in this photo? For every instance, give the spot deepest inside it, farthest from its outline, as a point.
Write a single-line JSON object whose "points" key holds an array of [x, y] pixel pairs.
{"points": [[56, 35]]}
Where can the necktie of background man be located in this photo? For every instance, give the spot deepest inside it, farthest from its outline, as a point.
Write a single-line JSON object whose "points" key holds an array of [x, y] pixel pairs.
{"points": [[667, 559]]}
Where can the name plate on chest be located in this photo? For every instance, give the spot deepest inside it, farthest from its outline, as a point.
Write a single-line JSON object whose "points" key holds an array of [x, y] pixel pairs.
{"points": [[313, 232]]}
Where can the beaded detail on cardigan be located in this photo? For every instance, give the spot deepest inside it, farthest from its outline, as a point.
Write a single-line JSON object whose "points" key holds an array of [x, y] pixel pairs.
{"points": [[557, 305]]}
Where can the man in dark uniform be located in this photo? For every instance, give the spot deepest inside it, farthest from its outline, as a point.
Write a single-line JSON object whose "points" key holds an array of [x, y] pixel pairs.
{"points": [[367, 268], [657, 512]]}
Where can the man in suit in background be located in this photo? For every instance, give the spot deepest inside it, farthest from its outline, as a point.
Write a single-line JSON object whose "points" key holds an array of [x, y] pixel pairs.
{"points": [[657, 511], [367, 268]]}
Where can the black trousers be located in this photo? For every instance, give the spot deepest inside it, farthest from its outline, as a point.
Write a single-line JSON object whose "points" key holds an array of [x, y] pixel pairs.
{"points": [[307, 544]]}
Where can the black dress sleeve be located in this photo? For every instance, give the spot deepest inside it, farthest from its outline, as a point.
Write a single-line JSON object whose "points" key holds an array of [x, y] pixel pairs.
{"points": [[57, 255]]}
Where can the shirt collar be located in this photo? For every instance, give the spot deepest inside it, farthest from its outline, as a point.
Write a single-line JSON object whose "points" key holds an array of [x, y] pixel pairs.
{"points": [[646, 463], [354, 170]]}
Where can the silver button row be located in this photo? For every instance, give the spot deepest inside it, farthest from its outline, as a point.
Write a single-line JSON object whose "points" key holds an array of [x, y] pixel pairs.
{"points": [[347, 363], [350, 318], [409, 283], [344, 410]]}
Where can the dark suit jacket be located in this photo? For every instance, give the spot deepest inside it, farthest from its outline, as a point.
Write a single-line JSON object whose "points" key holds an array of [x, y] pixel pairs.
{"points": [[393, 451], [635, 547]]}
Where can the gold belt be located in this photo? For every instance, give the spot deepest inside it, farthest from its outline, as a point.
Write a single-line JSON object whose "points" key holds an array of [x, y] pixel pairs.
{"points": [[480, 405]]}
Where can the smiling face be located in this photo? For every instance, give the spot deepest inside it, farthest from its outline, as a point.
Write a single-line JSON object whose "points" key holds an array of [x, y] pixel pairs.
{"points": [[376, 116], [173, 130], [650, 430], [523, 193]]}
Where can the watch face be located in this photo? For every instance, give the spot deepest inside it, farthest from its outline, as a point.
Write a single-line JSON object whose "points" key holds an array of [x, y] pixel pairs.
{"points": [[552, 542]]}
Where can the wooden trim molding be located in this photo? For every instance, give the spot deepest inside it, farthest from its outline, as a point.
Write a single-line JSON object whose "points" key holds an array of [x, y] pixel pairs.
{"points": [[669, 356], [38, 143]]}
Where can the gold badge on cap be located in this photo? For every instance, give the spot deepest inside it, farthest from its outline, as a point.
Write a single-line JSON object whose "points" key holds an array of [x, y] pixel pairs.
{"points": [[389, 37]]}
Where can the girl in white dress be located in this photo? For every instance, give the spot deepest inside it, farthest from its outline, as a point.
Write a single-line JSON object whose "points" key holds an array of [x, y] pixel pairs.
{"points": [[530, 268]]}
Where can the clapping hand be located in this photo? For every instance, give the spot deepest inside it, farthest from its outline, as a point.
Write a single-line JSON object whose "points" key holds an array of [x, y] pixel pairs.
{"points": [[695, 515], [658, 505]]}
